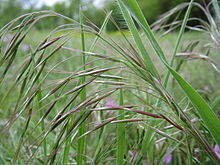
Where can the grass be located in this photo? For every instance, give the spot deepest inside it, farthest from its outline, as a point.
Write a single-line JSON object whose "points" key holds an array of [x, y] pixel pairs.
{"points": [[80, 95]]}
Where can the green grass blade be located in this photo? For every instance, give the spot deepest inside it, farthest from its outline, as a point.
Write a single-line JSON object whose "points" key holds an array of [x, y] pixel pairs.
{"points": [[23, 135], [186, 17], [136, 12], [39, 97], [100, 31], [206, 113], [82, 129], [216, 103], [147, 60], [121, 145], [67, 145], [215, 4]]}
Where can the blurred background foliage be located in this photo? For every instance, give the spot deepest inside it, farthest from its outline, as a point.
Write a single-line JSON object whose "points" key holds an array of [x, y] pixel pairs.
{"points": [[93, 9]]}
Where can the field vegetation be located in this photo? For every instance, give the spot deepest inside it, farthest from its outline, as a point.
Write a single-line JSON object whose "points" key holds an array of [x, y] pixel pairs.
{"points": [[76, 93]]}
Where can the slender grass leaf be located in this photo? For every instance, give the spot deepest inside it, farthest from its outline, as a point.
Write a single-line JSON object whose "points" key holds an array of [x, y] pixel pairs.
{"points": [[148, 62]]}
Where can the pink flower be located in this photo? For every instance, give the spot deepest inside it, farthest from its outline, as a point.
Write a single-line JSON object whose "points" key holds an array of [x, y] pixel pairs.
{"points": [[217, 150], [25, 47], [167, 160], [110, 102], [206, 88], [7, 37], [149, 91]]}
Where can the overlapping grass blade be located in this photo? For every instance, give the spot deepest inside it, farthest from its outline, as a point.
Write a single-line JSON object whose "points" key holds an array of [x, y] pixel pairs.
{"points": [[81, 148], [121, 135], [147, 60], [105, 22], [217, 9], [206, 113], [182, 29]]}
